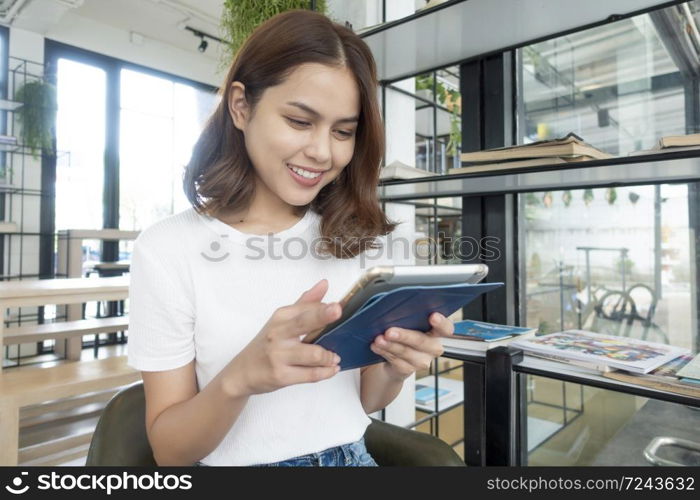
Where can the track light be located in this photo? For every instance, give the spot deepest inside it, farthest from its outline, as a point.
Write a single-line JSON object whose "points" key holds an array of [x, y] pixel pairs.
{"points": [[203, 45]]}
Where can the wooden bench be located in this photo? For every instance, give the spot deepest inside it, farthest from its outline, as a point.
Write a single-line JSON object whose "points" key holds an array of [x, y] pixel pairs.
{"points": [[64, 329], [32, 385], [75, 291]]}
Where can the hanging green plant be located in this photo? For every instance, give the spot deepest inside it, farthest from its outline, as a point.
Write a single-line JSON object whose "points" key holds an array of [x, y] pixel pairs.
{"points": [[531, 199], [588, 196], [611, 195], [37, 115], [634, 197], [240, 17], [566, 197]]}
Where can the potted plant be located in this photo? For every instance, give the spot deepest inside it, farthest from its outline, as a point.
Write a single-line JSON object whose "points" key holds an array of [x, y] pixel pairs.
{"points": [[240, 17], [37, 115]]}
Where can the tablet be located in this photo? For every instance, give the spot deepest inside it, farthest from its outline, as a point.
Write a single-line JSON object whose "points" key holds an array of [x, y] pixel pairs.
{"points": [[385, 278]]}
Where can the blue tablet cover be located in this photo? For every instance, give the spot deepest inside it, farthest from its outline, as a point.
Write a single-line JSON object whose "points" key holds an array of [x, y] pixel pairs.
{"points": [[406, 307]]}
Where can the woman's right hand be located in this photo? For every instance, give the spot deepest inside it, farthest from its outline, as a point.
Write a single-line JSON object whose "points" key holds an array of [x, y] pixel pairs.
{"points": [[276, 357]]}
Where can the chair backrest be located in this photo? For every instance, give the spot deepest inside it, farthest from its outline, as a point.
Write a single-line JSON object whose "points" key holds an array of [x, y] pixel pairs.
{"points": [[120, 436]]}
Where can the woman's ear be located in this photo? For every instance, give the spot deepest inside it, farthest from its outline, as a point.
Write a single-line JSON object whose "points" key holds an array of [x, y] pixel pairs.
{"points": [[238, 106]]}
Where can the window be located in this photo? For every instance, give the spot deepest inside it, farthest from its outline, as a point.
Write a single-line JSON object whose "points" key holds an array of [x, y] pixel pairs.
{"points": [[160, 122]]}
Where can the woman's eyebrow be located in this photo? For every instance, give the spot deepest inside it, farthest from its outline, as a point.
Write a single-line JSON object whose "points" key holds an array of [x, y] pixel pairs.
{"points": [[316, 114]]}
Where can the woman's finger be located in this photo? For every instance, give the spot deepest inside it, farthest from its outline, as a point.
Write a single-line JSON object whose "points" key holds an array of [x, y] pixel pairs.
{"points": [[400, 365], [419, 360], [413, 339], [442, 326]]}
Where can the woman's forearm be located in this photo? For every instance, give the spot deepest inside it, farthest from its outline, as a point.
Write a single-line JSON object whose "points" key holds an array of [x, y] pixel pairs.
{"points": [[378, 387], [189, 431]]}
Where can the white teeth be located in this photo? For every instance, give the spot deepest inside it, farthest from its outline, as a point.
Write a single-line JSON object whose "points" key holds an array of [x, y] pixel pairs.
{"points": [[304, 173]]}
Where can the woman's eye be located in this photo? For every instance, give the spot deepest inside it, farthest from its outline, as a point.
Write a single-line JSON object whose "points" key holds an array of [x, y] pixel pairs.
{"points": [[346, 133], [297, 122]]}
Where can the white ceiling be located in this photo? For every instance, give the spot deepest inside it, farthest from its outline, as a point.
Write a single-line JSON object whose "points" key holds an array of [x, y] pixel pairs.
{"points": [[154, 19]]}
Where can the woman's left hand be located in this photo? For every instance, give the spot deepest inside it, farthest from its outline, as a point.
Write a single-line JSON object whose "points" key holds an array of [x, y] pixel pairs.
{"points": [[407, 351]]}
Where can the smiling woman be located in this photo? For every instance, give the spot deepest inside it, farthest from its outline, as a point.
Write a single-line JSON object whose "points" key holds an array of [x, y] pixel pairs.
{"points": [[283, 187]]}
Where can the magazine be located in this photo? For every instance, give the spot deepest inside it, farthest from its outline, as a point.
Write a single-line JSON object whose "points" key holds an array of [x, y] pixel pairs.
{"points": [[481, 336], [691, 370], [637, 356], [664, 378]]}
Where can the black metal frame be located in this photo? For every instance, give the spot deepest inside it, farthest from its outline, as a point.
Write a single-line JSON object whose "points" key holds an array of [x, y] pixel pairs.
{"points": [[494, 398]]}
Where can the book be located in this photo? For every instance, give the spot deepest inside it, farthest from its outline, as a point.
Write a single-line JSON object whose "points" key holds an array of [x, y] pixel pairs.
{"points": [[398, 170], [425, 394], [404, 307], [450, 393], [664, 378], [674, 141], [517, 164], [568, 146], [691, 370], [481, 336], [637, 356], [589, 365]]}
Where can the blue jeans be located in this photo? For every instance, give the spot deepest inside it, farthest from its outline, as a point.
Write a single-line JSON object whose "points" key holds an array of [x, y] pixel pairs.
{"points": [[346, 455]]}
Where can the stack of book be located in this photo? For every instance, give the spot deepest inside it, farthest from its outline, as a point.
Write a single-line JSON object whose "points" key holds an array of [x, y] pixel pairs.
{"points": [[481, 336], [563, 150], [680, 376], [673, 143], [399, 170], [601, 352]]}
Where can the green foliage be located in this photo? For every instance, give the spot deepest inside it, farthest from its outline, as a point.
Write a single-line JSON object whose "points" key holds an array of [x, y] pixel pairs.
{"points": [[588, 196], [37, 115], [611, 195], [240, 17], [447, 97], [566, 197]]}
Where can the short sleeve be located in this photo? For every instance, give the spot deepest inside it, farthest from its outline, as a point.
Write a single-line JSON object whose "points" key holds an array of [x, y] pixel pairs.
{"points": [[161, 310]]}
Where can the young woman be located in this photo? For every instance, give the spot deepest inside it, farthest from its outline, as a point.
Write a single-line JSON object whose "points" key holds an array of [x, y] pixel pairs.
{"points": [[283, 187]]}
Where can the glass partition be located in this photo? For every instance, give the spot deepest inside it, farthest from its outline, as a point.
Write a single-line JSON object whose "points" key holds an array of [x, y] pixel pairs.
{"points": [[620, 86], [568, 424], [611, 260]]}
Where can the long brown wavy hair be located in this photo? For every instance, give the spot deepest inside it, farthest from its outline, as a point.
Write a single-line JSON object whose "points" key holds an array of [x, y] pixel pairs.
{"points": [[220, 175]]}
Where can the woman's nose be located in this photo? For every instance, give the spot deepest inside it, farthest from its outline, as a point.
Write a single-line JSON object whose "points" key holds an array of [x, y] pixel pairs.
{"points": [[319, 147]]}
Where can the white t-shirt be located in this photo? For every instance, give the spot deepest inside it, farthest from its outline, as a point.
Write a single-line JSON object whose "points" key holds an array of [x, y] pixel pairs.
{"points": [[202, 290]]}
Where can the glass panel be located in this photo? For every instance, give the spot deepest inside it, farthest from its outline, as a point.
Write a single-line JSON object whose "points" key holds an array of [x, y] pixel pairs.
{"points": [[367, 14], [80, 129], [611, 260], [160, 122], [569, 424], [620, 86]]}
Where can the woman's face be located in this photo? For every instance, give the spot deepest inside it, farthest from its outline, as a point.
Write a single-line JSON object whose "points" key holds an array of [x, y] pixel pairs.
{"points": [[302, 132]]}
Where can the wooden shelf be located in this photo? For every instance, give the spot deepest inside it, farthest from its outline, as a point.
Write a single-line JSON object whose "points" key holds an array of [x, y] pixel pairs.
{"points": [[8, 227], [6, 105]]}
